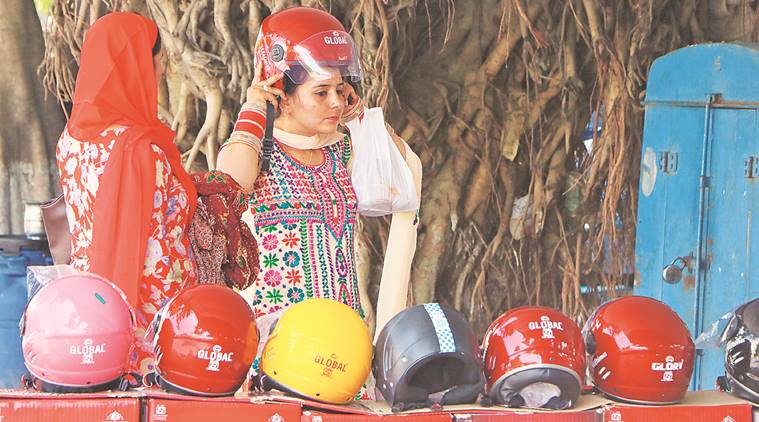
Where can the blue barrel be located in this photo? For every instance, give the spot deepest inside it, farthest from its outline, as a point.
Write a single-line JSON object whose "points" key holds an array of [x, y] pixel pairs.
{"points": [[16, 253]]}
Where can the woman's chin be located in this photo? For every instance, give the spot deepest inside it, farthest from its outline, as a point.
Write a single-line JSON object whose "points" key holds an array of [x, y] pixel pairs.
{"points": [[327, 128]]}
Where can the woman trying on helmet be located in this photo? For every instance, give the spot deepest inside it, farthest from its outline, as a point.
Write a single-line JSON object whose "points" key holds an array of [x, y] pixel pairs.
{"points": [[303, 205]]}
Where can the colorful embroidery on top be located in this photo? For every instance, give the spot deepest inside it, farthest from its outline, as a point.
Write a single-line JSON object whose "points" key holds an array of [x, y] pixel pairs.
{"points": [[305, 223]]}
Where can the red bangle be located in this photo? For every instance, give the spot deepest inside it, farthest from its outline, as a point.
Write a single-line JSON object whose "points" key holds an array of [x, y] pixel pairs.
{"points": [[252, 122]]}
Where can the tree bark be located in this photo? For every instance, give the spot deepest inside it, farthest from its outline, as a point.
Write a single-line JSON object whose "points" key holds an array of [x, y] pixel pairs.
{"points": [[30, 124]]}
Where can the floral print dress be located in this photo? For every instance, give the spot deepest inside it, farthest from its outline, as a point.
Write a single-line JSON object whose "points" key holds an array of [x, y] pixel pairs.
{"points": [[167, 265]]}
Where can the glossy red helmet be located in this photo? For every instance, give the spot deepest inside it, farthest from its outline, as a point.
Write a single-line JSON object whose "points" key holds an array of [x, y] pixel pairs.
{"points": [[302, 42], [532, 351], [639, 350], [205, 341]]}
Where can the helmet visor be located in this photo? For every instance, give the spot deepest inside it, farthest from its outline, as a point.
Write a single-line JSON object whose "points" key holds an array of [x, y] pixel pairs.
{"points": [[319, 55]]}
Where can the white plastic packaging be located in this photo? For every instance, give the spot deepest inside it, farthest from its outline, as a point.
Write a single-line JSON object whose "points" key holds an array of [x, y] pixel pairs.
{"points": [[380, 176], [38, 276]]}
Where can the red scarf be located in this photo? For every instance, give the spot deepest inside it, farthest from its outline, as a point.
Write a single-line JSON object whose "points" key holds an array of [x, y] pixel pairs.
{"points": [[116, 85]]}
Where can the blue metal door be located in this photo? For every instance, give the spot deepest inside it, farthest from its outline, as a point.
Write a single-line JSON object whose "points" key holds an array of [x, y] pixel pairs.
{"points": [[698, 188], [730, 235], [667, 223]]}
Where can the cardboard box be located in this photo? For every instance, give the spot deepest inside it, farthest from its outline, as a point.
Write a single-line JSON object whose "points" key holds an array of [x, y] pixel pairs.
{"points": [[24, 406], [698, 406], [379, 411], [357, 411], [166, 407]]}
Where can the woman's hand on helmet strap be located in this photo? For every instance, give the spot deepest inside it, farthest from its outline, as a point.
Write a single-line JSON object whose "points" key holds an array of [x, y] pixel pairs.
{"points": [[260, 92], [353, 104], [351, 97]]}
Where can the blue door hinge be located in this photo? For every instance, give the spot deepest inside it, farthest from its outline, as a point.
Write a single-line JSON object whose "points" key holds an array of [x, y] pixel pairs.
{"points": [[667, 162], [751, 167]]}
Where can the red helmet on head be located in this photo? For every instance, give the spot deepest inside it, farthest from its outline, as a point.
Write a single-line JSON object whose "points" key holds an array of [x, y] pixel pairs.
{"points": [[205, 341], [302, 42], [639, 351], [534, 347]]}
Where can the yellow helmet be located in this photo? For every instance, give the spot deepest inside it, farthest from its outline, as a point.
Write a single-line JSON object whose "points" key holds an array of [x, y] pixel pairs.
{"points": [[320, 349]]}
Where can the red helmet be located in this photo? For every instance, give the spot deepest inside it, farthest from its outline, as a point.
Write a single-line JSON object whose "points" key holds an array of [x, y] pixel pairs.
{"points": [[205, 341], [639, 351], [303, 41], [534, 350]]}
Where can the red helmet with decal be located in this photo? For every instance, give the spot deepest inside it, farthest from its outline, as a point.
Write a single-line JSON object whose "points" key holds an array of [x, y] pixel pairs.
{"points": [[639, 350], [302, 42], [205, 341], [534, 352]]}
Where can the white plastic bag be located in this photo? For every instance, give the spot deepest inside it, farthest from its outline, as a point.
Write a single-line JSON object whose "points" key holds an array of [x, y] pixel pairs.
{"points": [[713, 336], [380, 177]]}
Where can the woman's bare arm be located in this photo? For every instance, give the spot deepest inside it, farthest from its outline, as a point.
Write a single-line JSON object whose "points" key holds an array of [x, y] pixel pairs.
{"points": [[240, 161]]}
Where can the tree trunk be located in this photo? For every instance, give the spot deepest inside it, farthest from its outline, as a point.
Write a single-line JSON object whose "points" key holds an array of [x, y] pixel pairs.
{"points": [[31, 125]]}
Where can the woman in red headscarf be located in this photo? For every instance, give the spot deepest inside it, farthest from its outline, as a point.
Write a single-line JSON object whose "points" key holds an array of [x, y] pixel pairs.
{"points": [[128, 199]]}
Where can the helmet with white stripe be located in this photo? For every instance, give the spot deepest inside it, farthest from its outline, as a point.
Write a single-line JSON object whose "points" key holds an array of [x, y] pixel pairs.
{"points": [[428, 354]]}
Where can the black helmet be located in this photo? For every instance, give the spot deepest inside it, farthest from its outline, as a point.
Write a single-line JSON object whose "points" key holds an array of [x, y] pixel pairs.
{"points": [[741, 338], [424, 350]]}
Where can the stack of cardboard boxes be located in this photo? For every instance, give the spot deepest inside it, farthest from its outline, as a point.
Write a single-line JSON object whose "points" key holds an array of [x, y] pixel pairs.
{"points": [[157, 406]]}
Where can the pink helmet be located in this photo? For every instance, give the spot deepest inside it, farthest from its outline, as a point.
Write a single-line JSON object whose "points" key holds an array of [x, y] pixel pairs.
{"points": [[78, 332]]}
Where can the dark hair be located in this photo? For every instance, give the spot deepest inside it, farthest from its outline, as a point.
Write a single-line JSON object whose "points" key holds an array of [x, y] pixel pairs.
{"points": [[290, 86], [157, 45], [297, 72]]}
